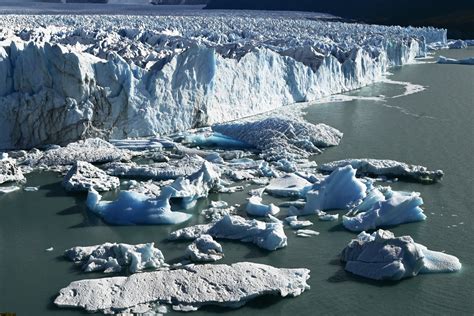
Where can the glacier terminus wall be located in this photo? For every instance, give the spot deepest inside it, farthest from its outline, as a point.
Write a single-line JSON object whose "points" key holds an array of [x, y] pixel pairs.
{"points": [[65, 77]]}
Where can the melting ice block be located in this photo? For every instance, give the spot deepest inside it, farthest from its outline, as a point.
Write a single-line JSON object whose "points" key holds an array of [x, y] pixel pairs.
{"points": [[255, 207], [465, 61], [132, 208], [382, 256], [340, 190], [290, 185], [204, 249], [186, 289], [9, 172], [268, 236], [386, 208], [113, 257], [281, 138], [82, 176], [387, 168]]}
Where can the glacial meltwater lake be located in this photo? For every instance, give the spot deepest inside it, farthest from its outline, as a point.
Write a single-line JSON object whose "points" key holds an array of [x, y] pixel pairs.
{"points": [[434, 128]]}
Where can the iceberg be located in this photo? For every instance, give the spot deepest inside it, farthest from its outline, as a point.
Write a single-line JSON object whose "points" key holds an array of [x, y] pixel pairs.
{"points": [[341, 190], [306, 233], [465, 61], [386, 168], [204, 249], [382, 256], [113, 257], [156, 171], [185, 289], [396, 207], [91, 150], [255, 207], [131, 208], [281, 138], [83, 176], [297, 224], [290, 185], [269, 236], [9, 172], [121, 77]]}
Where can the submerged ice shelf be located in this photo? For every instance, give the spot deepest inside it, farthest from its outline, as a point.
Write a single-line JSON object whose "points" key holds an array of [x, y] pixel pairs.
{"points": [[119, 76]]}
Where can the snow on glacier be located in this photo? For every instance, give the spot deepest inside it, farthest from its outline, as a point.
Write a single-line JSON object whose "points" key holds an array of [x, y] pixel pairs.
{"points": [[382, 256], [122, 76]]}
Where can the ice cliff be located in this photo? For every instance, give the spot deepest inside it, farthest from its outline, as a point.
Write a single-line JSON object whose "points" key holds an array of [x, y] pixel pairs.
{"points": [[126, 76]]}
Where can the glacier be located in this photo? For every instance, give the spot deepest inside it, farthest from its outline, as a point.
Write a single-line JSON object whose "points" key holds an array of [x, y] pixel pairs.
{"points": [[382, 256], [131, 76], [185, 289]]}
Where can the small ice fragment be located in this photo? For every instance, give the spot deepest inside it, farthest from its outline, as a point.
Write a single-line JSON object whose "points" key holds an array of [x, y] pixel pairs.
{"points": [[306, 233], [49, 249], [31, 189]]}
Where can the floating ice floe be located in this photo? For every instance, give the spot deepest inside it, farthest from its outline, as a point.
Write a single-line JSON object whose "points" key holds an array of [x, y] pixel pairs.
{"points": [[341, 190], [255, 207], [204, 249], [30, 189], [385, 207], [382, 256], [290, 185], [148, 188], [9, 189], [185, 289], [92, 150], [457, 44], [465, 61], [323, 216], [9, 172], [297, 224], [306, 233], [268, 236], [83, 176], [387, 168], [132, 208], [113, 257], [217, 210], [281, 138], [156, 171]]}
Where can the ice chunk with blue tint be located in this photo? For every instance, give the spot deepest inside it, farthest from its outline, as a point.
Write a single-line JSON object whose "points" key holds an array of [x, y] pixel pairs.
{"points": [[113, 257], [268, 236], [255, 207], [396, 208], [382, 256], [341, 190]]}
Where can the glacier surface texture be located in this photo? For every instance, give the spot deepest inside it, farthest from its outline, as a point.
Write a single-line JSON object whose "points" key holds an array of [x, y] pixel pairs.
{"points": [[130, 76]]}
